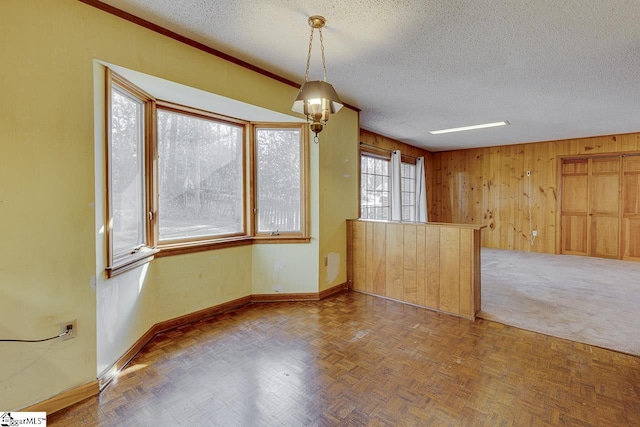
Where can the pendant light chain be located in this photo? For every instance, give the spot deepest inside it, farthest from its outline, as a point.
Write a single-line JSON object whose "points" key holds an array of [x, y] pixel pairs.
{"points": [[324, 64], [306, 74]]}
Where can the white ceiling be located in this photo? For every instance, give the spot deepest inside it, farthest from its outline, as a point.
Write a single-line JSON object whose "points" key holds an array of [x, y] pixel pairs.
{"points": [[555, 69]]}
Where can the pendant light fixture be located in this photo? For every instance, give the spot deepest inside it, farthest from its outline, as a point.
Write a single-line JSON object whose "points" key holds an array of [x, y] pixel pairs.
{"points": [[317, 99]]}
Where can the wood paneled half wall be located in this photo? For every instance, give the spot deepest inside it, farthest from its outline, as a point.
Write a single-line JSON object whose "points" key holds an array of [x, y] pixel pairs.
{"points": [[432, 265]]}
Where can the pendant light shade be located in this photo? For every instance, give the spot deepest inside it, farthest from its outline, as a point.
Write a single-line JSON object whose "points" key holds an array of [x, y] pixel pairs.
{"points": [[317, 99]]}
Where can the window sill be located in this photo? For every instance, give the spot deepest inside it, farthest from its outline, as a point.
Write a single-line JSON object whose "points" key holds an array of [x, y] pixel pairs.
{"points": [[261, 239], [191, 247], [143, 256], [187, 248]]}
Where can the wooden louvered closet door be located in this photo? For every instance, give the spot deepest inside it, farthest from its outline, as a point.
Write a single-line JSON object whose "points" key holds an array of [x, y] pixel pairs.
{"points": [[574, 206], [600, 206], [604, 207]]}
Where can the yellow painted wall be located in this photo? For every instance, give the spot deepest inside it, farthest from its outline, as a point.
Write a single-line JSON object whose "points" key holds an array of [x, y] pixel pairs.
{"points": [[51, 255], [47, 239], [291, 268], [192, 282], [338, 194], [285, 268]]}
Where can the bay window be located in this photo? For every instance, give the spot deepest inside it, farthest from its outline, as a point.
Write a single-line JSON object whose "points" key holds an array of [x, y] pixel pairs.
{"points": [[179, 179]]}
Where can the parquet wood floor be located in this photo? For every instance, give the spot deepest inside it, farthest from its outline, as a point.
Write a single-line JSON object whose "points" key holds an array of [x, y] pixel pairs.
{"points": [[355, 360]]}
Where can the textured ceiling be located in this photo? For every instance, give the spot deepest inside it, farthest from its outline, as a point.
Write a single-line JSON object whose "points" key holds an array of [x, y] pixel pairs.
{"points": [[554, 69]]}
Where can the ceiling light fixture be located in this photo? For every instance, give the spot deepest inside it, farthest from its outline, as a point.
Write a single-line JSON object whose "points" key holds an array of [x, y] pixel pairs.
{"points": [[463, 128], [317, 99]]}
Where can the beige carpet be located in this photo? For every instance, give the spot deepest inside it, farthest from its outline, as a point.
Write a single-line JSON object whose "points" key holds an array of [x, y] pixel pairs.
{"points": [[590, 300]]}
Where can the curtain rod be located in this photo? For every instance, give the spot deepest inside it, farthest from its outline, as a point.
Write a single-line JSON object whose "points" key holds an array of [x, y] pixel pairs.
{"points": [[388, 151]]}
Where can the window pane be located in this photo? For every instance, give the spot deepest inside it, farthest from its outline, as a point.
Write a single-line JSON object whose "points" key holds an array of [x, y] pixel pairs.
{"points": [[385, 184], [278, 176], [408, 189], [200, 181], [374, 188], [378, 168], [126, 180], [377, 184]]}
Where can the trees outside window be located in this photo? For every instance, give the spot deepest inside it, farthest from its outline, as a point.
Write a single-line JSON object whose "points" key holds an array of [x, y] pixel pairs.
{"points": [[376, 191], [408, 189], [127, 229], [200, 182], [279, 173], [374, 188]]}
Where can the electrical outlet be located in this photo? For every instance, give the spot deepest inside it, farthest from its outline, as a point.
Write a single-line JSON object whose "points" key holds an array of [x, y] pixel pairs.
{"points": [[535, 233], [72, 326]]}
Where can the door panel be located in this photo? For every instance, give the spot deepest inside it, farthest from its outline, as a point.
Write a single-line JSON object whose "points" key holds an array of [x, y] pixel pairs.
{"points": [[574, 234], [605, 233], [575, 166], [604, 207], [631, 193], [605, 194], [574, 207], [574, 196], [631, 208], [631, 239]]}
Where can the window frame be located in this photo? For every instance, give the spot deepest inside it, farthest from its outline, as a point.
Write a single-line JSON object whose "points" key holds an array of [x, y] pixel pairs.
{"points": [[303, 235], [139, 254], [376, 154], [182, 243], [409, 161], [384, 154], [154, 247]]}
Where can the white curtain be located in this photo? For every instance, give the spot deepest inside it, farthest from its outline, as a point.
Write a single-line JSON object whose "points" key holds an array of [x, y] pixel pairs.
{"points": [[395, 191], [421, 191]]}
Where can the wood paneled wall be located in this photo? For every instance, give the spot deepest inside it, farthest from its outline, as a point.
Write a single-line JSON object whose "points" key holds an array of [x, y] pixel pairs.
{"points": [[385, 143], [490, 186], [432, 265]]}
